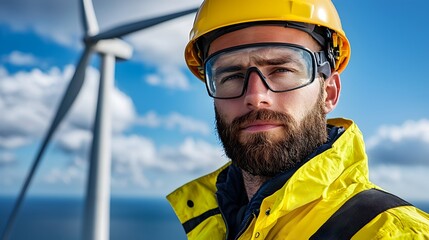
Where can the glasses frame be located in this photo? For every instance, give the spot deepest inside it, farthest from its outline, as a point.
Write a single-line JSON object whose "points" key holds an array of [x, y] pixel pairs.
{"points": [[319, 62]]}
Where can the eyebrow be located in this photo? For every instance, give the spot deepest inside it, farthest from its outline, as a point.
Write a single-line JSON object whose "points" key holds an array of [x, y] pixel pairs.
{"points": [[276, 61], [227, 69]]}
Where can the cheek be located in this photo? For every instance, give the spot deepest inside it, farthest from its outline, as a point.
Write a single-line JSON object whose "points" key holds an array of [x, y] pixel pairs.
{"points": [[292, 106], [300, 102], [228, 109]]}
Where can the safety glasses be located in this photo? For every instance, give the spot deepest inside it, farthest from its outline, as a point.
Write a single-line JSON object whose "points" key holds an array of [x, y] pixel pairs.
{"points": [[282, 67]]}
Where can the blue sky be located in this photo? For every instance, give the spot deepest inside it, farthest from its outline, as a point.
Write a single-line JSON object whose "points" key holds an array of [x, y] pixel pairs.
{"points": [[163, 121]]}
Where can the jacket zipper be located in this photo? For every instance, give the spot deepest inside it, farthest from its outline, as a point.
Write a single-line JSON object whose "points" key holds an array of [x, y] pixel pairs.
{"points": [[248, 221]]}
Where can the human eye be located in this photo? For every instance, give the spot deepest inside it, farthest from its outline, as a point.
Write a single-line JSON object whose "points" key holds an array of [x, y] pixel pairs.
{"points": [[282, 71], [231, 78]]}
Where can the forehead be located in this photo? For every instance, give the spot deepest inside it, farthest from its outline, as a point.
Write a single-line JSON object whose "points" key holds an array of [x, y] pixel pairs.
{"points": [[259, 55], [258, 34]]}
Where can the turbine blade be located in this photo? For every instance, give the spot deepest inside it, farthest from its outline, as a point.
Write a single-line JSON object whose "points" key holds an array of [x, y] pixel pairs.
{"points": [[89, 19], [72, 90], [135, 26], [70, 95]]}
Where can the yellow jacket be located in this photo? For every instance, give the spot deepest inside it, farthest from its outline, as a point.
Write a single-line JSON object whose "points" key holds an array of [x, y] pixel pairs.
{"points": [[305, 202]]}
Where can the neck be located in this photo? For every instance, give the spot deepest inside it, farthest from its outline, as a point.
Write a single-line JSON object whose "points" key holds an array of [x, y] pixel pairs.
{"points": [[252, 183]]}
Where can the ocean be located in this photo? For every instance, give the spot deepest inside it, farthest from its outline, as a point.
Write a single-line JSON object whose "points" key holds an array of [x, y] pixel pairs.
{"points": [[48, 218]]}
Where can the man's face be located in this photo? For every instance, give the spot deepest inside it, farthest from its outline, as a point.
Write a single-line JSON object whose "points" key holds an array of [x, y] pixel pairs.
{"points": [[263, 153], [263, 132]]}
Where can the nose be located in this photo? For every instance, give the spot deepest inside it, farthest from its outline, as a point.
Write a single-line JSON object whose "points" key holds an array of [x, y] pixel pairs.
{"points": [[257, 94]]}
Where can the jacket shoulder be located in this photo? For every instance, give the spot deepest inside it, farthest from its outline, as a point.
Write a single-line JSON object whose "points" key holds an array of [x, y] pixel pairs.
{"points": [[197, 197], [405, 222]]}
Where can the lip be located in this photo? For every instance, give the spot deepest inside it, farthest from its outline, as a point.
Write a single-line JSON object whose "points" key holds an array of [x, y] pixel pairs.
{"points": [[259, 126]]}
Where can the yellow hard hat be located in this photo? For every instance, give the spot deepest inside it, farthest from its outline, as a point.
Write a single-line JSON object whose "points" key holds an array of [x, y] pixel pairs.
{"points": [[217, 14]]}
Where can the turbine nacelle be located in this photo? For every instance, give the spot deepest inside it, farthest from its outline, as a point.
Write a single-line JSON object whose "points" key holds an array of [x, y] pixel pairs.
{"points": [[116, 47]]}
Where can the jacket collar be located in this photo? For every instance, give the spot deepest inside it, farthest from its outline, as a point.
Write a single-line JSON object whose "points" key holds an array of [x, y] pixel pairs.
{"points": [[232, 197]]}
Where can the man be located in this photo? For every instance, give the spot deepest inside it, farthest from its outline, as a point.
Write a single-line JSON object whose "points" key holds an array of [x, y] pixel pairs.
{"points": [[273, 68]]}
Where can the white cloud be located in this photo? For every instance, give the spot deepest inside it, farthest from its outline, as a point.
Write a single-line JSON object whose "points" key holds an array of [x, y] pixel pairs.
{"points": [[410, 129], [168, 76], [75, 141], [27, 98], [21, 59], [134, 156], [67, 176], [407, 144], [398, 157], [11, 142], [194, 156], [173, 121], [408, 182], [186, 124], [150, 119], [30, 99], [166, 42], [6, 157]]}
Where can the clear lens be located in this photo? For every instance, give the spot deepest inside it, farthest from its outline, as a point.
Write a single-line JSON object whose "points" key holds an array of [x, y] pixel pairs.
{"points": [[283, 67]]}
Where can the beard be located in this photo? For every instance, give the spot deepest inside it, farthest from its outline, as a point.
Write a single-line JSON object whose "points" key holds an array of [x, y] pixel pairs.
{"points": [[262, 154]]}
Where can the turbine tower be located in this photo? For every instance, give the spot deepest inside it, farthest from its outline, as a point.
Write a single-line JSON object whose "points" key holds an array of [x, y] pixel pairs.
{"points": [[109, 47]]}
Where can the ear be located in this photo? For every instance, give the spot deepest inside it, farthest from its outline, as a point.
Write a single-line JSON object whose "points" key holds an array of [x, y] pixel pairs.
{"points": [[332, 87]]}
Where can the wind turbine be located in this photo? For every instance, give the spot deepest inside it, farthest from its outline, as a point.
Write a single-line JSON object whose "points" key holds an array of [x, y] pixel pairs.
{"points": [[110, 47]]}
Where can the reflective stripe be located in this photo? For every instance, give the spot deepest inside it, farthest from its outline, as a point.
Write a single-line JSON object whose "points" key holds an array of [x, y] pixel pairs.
{"points": [[356, 213], [193, 222]]}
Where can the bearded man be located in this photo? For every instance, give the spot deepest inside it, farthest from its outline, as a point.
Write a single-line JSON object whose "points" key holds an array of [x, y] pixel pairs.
{"points": [[273, 68]]}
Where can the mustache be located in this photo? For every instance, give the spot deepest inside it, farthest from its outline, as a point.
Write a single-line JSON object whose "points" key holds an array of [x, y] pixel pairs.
{"points": [[262, 115]]}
